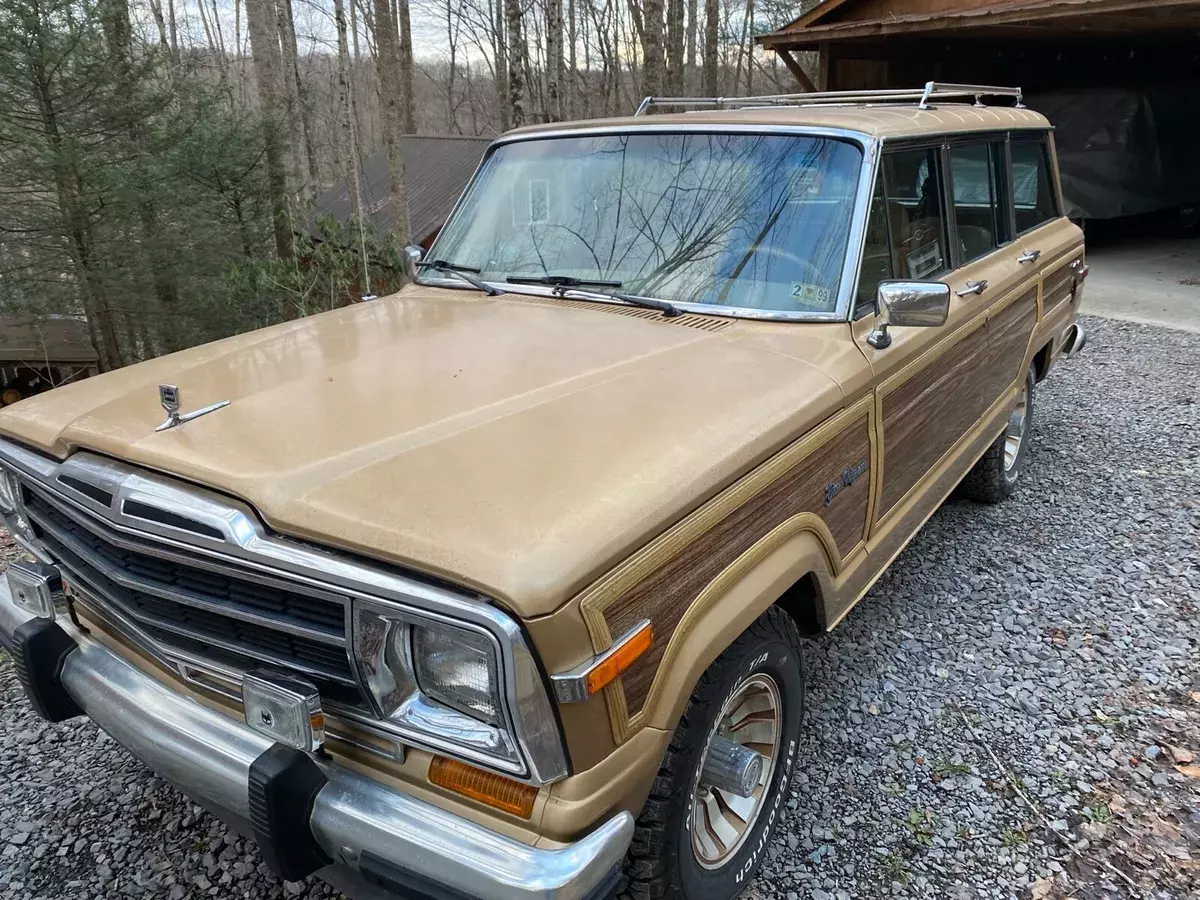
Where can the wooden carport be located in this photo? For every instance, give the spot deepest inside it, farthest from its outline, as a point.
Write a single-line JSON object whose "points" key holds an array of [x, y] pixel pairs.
{"points": [[1037, 44]]}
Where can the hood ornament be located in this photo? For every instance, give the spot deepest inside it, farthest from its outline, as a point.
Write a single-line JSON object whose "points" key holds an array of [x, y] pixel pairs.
{"points": [[168, 396]]}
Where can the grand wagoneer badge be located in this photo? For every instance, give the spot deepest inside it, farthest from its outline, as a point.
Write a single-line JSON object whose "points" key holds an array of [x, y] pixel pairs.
{"points": [[848, 478]]}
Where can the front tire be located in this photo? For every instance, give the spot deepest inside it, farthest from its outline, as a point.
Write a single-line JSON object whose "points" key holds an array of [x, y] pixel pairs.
{"points": [[698, 842], [995, 476]]}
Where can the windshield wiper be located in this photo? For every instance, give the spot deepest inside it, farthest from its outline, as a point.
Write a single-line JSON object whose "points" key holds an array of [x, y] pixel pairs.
{"points": [[466, 273], [564, 283]]}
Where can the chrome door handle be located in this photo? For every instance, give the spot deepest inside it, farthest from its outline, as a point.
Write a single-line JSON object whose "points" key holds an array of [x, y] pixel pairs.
{"points": [[973, 287], [1030, 256]]}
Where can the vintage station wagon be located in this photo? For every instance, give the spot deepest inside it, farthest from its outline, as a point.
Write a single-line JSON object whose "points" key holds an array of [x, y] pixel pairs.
{"points": [[497, 587]]}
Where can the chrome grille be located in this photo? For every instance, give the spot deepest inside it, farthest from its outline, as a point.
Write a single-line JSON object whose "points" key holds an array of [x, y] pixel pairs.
{"points": [[198, 608]]}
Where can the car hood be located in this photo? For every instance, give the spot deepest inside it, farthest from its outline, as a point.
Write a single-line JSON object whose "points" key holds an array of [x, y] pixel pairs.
{"points": [[518, 446]]}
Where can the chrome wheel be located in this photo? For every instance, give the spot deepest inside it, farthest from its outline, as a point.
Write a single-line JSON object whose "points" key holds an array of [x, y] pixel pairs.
{"points": [[721, 819], [1014, 434]]}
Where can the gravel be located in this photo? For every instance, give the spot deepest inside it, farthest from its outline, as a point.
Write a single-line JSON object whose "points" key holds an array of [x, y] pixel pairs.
{"points": [[1013, 711]]}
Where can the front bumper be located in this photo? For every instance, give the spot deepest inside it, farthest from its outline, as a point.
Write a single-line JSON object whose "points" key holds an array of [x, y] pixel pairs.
{"points": [[387, 839]]}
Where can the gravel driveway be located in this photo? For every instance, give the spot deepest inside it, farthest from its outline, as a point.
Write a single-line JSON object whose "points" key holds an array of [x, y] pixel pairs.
{"points": [[1012, 711]]}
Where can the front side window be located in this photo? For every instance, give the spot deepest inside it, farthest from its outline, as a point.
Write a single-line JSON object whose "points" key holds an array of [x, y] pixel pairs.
{"points": [[738, 220], [1033, 187], [915, 211]]}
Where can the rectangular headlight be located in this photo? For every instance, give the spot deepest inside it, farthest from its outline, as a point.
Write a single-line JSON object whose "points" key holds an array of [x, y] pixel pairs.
{"points": [[437, 682], [457, 668]]}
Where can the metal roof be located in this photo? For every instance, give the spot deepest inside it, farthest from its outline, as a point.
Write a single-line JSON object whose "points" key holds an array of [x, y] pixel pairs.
{"points": [[33, 341], [844, 20], [436, 169]]}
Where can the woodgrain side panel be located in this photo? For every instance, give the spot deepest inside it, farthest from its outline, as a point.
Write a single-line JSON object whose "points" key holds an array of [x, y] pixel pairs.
{"points": [[1058, 286], [924, 416], [667, 592], [1008, 340]]}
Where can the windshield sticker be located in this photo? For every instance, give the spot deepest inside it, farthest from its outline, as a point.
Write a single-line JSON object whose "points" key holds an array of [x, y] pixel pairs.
{"points": [[810, 294], [925, 261]]}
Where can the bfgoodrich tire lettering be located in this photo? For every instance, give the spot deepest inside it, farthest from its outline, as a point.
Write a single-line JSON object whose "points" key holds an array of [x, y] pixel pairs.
{"points": [[661, 862]]}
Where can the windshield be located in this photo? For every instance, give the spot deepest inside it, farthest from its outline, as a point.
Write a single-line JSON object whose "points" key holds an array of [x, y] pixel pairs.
{"points": [[738, 220]]}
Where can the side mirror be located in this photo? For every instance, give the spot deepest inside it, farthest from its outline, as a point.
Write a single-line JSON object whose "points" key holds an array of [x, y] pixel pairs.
{"points": [[411, 256], [909, 304]]}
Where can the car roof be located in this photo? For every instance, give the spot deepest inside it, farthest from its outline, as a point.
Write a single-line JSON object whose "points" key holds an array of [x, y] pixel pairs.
{"points": [[868, 120]]}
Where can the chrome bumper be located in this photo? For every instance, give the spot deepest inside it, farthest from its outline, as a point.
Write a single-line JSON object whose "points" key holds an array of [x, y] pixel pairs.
{"points": [[359, 823]]}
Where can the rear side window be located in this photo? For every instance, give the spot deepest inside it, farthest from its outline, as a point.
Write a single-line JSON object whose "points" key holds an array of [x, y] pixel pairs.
{"points": [[915, 214], [1033, 186], [980, 204]]}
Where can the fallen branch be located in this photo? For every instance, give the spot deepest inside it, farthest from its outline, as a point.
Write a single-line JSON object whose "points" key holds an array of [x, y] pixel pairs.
{"points": [[1035, 809]]}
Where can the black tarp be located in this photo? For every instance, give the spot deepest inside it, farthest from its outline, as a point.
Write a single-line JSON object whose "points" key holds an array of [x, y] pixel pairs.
{"points": [[1125, 152]]}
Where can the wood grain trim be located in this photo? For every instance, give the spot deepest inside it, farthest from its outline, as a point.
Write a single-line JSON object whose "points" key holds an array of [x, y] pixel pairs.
{"points": [[915, 382], [708, 550]]}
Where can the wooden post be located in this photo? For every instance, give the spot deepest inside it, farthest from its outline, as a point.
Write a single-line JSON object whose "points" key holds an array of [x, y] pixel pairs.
{"points": [[797, 72]]}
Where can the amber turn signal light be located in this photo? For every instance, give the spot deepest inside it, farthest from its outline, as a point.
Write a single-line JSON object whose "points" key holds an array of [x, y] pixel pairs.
{"points": [[612, 666], [486, 787]]}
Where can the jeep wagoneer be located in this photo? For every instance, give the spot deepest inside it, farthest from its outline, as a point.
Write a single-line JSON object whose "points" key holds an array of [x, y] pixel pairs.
{"points": [[497, 587]]}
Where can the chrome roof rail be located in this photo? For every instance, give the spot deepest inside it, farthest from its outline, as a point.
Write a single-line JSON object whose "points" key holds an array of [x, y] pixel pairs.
{"points": [[923, 97]]}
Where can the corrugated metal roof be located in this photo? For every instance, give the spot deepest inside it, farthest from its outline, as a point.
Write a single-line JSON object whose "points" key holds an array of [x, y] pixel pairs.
{"points": [[436, 169], [35, 341]]}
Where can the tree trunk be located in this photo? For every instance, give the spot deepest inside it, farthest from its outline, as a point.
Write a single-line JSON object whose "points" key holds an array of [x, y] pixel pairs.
{"points": [[264, 46], [675, 60], [407, 111], [349, 151], [304, 161], [689, 76], [652, 48], [387, 61], [500, 50], [711, 13], [516, 61], [161, 24], [572, 68], [554, 60]]}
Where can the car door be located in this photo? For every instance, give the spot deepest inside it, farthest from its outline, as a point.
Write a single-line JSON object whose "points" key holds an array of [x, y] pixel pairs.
{"points": [[1052, 246], [934, 384]]}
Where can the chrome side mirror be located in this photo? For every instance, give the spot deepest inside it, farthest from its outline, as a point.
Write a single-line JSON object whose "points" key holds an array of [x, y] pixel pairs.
{"points": [[411, 256], [909, 304]]}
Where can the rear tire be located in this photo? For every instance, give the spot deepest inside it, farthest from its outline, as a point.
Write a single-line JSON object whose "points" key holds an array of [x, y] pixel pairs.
{"points": [[666, 860], [995, 476]]}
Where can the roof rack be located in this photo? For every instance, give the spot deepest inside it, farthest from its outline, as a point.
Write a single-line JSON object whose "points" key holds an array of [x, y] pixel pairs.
{"points": [[924, 97]]}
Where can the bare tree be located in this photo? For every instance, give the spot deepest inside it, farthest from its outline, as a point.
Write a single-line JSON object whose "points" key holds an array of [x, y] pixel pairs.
{"points": [[554, 60], [675, 58], [346, 121], [711, 14], [692, 12], [305, 159], [387, 62], [264, 44], [516, 61], [407, 113], [652, 47], [572, 68]]}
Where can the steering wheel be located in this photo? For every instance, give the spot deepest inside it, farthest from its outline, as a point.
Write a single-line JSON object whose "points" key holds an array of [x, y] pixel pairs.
{"points": [[788, 257]]}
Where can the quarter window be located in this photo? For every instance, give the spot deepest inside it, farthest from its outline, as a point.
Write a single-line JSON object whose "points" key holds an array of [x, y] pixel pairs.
{"points": [[1033, 187]]}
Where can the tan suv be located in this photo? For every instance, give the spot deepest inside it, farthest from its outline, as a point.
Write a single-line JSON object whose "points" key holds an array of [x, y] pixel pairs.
{"points": [[497, 587]]}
